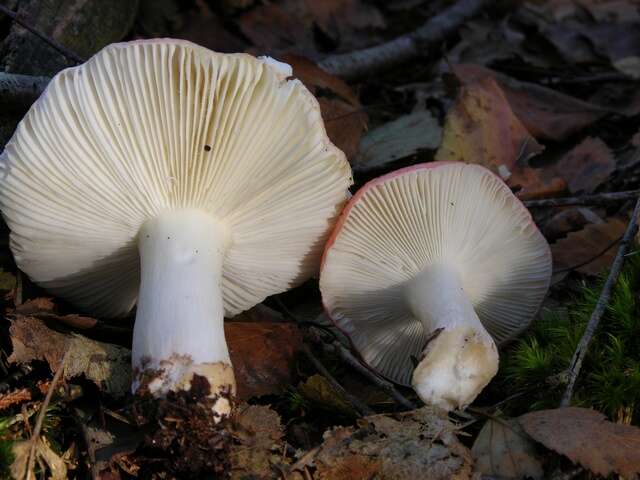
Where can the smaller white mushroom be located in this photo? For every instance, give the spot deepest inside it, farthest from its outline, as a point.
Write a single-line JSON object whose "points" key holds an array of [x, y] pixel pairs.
{"points": [[439, 262]]}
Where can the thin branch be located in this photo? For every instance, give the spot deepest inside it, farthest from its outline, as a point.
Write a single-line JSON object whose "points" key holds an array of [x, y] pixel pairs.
{"points": [[21, 90], [361, 407], [35, 435], [601, 305], [376, 379], [595, 199], [436, 29], [57, 45]]}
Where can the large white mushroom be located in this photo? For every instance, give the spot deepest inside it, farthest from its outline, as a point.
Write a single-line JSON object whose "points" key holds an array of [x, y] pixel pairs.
{"points": [[439, 261], [191, 182]]}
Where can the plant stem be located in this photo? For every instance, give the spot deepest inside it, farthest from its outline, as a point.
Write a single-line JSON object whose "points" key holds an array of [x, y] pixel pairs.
{"points": [[601, 305], [362, 62], [57, 45], [596, 199], [361, 407]]}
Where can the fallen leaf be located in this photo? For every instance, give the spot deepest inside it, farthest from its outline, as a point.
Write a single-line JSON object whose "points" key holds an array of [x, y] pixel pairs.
{"points": [[258, 433], [204, 27], [294, 25], [545, 113], [586, 437], [502, 449], [408, 446], [109, 366], [43, 453], [401, 138], [317, 389], [586, 166], [571, 219], [341, 111], [21, 395], [584, 249], [481, 128], [262, 355]]}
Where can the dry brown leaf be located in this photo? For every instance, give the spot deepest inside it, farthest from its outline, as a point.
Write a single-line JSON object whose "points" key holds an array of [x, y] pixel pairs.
{"points": [[481, 128], [318, 389], [503, 450], [412, 445], [588, 245], [545, 113], [341, 111], [107, 365], [258, 432], [14, 397], [571, 219], [55, 464], [586, 437], [294, 25], [262, 355], [586, 166]]}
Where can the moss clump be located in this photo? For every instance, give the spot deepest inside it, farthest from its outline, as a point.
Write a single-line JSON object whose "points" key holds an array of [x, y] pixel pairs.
{"points": [[534, 369]]}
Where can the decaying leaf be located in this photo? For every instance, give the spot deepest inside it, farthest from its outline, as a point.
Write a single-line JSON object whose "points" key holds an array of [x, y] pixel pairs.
{"points": [[398, 139], [293, 25], [503, 450], [318, 389], [55, 464], [105, 364], [258, 434], [586, 166], [571, 219], [481, 128], [262, 355], [545, 113], [586, 437], [341, 111], [412, 445], [588, 245]]}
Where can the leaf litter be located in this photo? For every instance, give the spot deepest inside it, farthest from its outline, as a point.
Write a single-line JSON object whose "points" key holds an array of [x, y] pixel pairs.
{"points": [[544, 94]]}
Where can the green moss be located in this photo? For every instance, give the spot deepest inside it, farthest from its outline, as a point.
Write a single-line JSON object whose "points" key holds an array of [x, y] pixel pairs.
{"points": [[533, 370]]}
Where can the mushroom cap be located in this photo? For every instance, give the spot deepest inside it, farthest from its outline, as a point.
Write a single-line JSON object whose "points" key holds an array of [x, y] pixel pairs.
{"points": [[149, 126], [395, 226]]}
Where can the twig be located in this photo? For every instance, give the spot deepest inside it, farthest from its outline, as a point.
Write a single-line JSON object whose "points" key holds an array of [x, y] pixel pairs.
{"points": [[57, 45], [362, 408], [590, 259], [596, 199], [601, 305], [360, 62], [21, 90], [35, 435], [376, 379]]}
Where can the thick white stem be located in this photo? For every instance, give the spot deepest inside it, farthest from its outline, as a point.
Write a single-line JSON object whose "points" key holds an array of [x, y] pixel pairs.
{"points": [[461, 358], [179, 328]]}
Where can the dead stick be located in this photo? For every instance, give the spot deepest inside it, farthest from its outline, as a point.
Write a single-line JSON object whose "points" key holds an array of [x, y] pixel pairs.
{"points": [[596, 199], [57, 45], [376, 379], [361, 62], [35, 436], [21, 90], [362, 408], [601, 305]]}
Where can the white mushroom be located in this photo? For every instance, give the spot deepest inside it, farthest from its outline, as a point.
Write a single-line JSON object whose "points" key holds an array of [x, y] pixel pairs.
{"points": [[439, 261], [191, 182]]}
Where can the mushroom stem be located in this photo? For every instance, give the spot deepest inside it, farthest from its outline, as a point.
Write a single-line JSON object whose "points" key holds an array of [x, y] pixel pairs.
{"points": [[179, 328], [462, 358]]}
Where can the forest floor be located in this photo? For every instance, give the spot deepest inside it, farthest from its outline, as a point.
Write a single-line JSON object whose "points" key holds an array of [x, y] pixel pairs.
{"points": [[543, 92]]}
